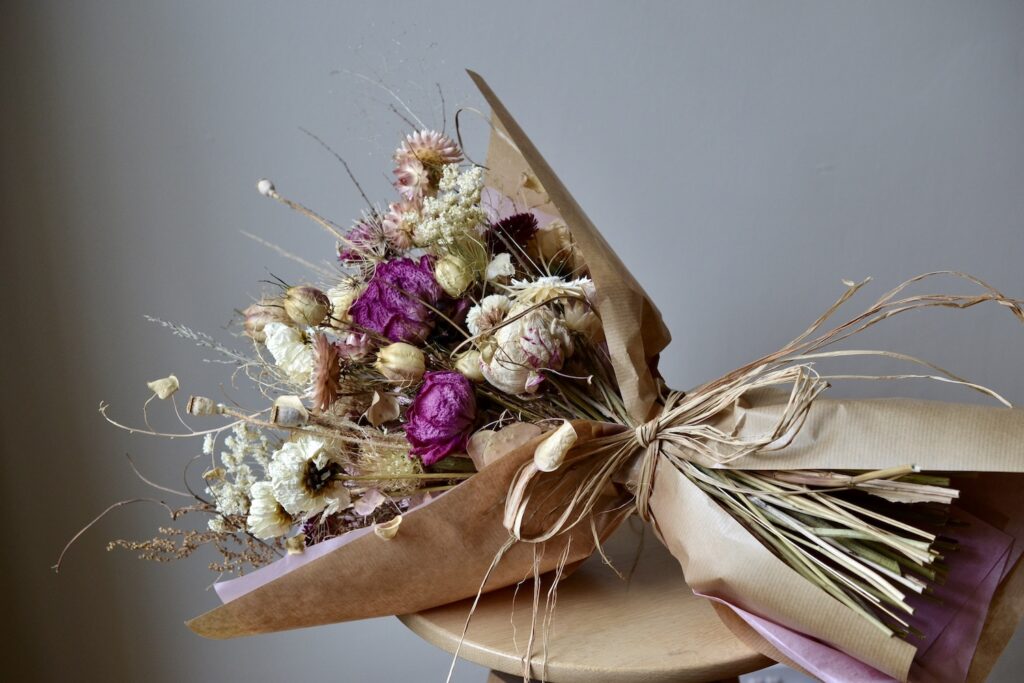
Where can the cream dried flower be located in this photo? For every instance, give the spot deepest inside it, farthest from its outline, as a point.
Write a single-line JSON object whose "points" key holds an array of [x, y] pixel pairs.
{"points": [[303, 475], [267, 518], [291, 353], [549, 288], [488, 314], [524, 348]]}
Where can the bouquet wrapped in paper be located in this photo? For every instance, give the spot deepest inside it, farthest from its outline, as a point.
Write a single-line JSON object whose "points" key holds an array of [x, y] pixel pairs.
{"points": [[482, 380]]}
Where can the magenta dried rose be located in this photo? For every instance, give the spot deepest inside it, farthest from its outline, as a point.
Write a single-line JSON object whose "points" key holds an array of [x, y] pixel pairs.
{"points": [[396, 302], [441, 416]]}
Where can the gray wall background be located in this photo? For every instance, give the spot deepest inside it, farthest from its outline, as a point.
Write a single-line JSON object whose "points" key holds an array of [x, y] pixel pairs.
{"points": [[742, 156]]}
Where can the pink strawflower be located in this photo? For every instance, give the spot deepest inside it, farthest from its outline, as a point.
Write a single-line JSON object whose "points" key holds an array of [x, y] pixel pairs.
{"points": [[413, 180], [430, 148], [397, 230]]}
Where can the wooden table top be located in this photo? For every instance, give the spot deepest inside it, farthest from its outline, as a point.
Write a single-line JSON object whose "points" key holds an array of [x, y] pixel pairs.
{"points": [[649, 628]]}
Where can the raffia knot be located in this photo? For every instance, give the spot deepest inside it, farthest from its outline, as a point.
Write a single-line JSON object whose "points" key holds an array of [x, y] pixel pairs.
{"points": [[647, 433]]}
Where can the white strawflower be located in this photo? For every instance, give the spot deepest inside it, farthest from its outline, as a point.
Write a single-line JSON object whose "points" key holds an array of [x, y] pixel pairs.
{"points": [[291, 353], [488, 314], [551, 287], [302, 474], [267, 518]]}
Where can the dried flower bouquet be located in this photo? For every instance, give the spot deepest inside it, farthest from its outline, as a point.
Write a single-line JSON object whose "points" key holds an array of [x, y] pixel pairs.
{"points": [[483, 342]]}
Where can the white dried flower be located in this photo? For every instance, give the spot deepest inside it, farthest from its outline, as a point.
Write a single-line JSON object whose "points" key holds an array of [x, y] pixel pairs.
{"points": [[341, 297], [488, 314], [291, 353], [165, 387], [303, 473], [550, 287], [265, 187], [267, 518], [524, 348], [500, 267]]}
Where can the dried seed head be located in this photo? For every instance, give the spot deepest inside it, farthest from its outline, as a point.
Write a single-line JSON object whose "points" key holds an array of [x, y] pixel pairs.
{"points": [[453, 274], [265, 187], [164, 387], [258, 315], [288, 411], [401, 362], [469, 365], [306, 305], [200, 406]]}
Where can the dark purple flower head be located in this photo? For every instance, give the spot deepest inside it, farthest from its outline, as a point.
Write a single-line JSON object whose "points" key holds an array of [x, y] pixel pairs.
{"points": [[441, 416], [395, 301], [517, 229]]}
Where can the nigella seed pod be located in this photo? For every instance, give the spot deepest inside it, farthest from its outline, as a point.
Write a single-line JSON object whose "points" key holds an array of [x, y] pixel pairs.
{"points": [[258, 315], [469, 365], [454, 276], [401, 362], [201, 406], [306, 305]]}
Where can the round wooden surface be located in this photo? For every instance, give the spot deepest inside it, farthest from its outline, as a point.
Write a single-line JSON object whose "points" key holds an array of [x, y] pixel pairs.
{"points": [[649, 628]]}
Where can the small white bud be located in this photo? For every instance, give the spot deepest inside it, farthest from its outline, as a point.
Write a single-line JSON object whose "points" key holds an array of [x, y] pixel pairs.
{"points": [[387, 530], [165, 387], [551, 452], [265, 187]]}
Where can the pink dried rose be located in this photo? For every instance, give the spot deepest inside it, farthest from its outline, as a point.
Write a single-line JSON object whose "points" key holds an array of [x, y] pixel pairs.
{"points": [[441, 417], [397, 301]]}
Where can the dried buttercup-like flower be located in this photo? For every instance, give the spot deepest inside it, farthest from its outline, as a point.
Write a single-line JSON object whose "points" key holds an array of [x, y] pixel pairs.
{"points": [[580, 318], [441, 416], [165, 387], [399, 224], [306, 305], [401, 362], [258, 315], [305, 478]]}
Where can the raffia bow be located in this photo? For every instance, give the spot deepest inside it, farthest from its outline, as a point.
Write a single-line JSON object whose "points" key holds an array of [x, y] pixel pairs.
{"points": [[699, 432]]}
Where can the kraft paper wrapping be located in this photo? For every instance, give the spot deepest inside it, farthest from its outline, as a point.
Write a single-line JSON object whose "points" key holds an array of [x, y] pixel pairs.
{"points": [[443, 551], [441, 554]]}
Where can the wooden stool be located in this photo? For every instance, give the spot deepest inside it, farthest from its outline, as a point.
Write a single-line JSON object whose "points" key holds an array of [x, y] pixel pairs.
{"points": [[648, 628]]}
